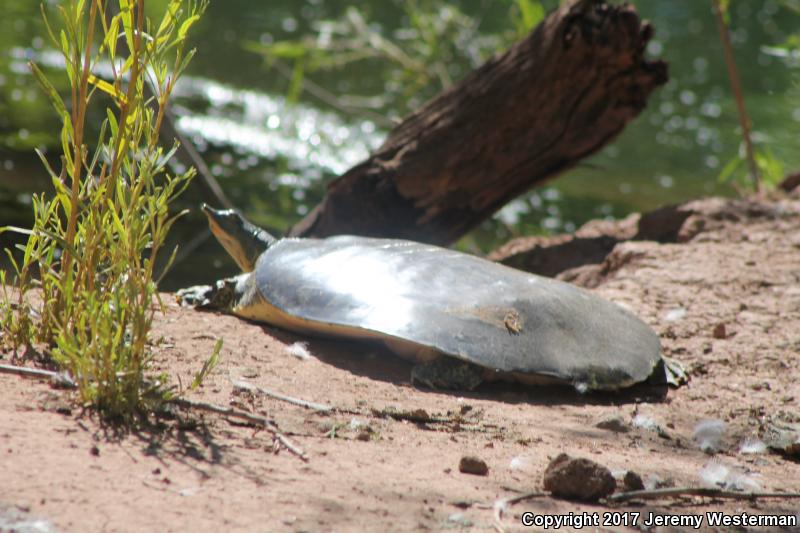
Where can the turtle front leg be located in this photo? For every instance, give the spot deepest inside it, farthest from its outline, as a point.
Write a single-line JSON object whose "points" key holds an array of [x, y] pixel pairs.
{"points": [[675, 373], [223, 295]]}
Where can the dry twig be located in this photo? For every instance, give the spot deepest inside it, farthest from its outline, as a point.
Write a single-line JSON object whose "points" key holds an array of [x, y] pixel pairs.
{"points": [[57, 378], [244, 415], [500, 505], [240, 385], [64, 380], [711, 492]]}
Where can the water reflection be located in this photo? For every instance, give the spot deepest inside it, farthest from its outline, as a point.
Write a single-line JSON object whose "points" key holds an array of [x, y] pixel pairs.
{"points": [[312, 141]]}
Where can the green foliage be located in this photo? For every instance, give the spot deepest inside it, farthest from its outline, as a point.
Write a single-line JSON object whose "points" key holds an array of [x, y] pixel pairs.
{"points": [[438, 44], [531, 13], [770, 168], [94, 244], [790, 48]]}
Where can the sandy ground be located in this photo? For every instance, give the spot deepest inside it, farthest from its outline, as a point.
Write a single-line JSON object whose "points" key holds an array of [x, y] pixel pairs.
{"points": [[725, 301]]}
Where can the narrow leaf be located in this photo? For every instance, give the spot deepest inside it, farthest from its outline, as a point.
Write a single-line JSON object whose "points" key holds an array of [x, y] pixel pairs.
{"points": [[186, 25], [208, 366], [108, 89], [48, 89]]}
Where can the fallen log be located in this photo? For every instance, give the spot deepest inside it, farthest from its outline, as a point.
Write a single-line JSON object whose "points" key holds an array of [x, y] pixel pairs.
{"points": [[519, 120]]}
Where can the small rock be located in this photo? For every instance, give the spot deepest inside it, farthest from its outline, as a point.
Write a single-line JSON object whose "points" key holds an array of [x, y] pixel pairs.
{"points": [[471, 464], [520, 463], [299, 350], [17, 518], [708, 434], [94, 450], [673, 315], [420, 415], [59, 405], [655, 482], [249, 372], [613, 423], [578, 479], [783, 437], [720, 332], [632, 481], [355, 423], [717, 474], [460, 520], [752, 446], [645, 422]]}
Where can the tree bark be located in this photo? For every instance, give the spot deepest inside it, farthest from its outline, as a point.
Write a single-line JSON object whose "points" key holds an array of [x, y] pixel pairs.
{"points": [[554, 98]]}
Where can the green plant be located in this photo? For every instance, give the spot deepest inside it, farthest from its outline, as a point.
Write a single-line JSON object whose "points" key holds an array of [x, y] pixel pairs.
{"points": [[720, 8], [438, 44], [770, 168], [93, 247], [765, 168], [526, 14]]}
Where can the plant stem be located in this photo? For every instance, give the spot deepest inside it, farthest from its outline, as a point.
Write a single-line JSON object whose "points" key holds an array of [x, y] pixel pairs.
{"points": [[733, 75], [78, 118]]}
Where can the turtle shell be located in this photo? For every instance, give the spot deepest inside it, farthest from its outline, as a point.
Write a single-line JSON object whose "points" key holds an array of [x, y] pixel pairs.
{"points": [[457, 304]]}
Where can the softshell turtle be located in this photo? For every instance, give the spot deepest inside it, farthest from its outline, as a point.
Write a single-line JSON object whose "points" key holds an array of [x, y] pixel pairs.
{"points": [[463, 319]]}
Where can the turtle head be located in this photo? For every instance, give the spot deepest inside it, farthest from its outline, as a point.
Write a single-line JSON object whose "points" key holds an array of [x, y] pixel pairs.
{"points": [[243, 240]]}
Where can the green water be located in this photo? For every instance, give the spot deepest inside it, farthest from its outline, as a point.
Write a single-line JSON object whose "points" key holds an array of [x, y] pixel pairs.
{"points": [[273, 158]]}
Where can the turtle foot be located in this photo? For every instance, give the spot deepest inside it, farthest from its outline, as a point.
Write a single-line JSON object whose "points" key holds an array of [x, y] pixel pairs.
{"points": [[197, 296], [674, 372], [447, 373], [222, 295]]}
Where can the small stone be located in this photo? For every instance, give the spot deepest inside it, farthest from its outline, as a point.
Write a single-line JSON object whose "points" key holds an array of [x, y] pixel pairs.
{"points": [[459, 520], [94, 450], [673, 315], [645, 422], [783, 437], [632, 481], [58, 405], [720, 331], [420, 415], [471, 464], [578, 479], [249, 372], [655, 482], [613, 423], [708, 434]]}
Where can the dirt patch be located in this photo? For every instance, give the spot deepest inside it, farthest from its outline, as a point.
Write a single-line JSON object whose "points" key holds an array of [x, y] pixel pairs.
{"points": [[724, 297]]}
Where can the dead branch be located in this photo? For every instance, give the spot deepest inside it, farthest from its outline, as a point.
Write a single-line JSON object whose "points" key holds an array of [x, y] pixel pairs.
{"points": [[243, 385], [59, 379], [525, 116], [263, 421], [710, 492]]}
